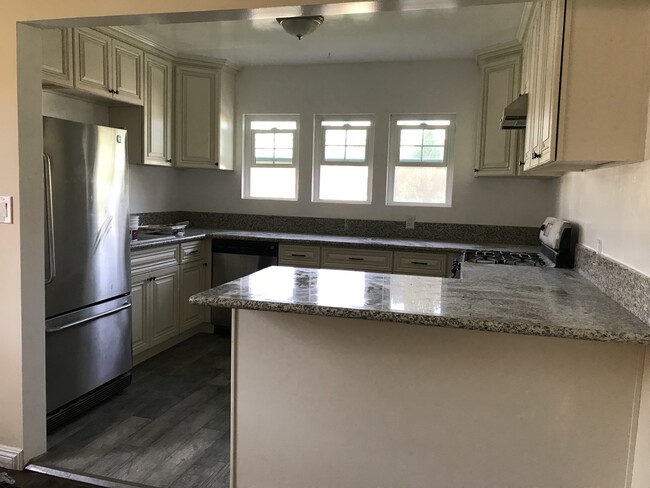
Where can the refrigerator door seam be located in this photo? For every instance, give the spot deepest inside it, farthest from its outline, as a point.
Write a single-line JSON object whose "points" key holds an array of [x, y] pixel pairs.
{"points": [[88, 319]]}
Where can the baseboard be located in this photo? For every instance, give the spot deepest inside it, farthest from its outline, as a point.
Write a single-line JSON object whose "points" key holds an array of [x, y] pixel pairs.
{"points": [[11, 458], [183, 336]]}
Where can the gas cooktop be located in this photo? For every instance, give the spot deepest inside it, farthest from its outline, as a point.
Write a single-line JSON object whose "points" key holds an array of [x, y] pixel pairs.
{"points": [[504, 257]]}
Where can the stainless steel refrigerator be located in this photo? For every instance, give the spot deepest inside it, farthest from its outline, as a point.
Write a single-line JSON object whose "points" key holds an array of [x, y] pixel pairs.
{"points": [[87, 278]]}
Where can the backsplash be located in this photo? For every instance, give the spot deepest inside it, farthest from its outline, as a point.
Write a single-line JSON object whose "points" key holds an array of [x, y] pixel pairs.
{"points": [[471, 233], [625, 286]]}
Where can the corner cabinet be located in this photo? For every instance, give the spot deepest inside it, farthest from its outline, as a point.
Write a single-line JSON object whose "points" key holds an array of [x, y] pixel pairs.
{"points": [[498, 150], [586, 75], [204, 116]]}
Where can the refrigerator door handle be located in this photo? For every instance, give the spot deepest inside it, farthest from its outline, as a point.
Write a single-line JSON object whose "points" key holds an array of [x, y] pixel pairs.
{"points": [[88, 319], [49, 220]]}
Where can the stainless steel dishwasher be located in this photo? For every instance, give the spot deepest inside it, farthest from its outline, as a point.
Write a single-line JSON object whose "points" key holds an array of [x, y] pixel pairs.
{"points": [[232, 259]]}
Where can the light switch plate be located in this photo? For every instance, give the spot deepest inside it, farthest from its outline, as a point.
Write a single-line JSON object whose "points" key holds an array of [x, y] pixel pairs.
{"points": [[410, 222], [6, 210]]}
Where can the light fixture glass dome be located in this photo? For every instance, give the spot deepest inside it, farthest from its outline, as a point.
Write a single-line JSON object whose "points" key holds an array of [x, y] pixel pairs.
{"points": [[300, 26]]}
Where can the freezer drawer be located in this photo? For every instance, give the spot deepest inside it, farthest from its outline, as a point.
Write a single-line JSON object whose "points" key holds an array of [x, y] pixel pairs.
{"points": [[91, 349]]}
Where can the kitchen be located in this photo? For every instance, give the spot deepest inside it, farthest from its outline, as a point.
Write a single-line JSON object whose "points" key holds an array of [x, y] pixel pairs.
{"points": [[500, 214]]}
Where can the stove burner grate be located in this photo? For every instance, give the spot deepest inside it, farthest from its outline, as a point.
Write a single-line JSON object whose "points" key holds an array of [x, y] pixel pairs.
{"points": [[503, 257]]}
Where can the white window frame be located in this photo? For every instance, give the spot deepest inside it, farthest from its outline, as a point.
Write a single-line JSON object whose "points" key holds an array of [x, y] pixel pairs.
{"points": [[393, 157], [319, 154], [248, 157]]}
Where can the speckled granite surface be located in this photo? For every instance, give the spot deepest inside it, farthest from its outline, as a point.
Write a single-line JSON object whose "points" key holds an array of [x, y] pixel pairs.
{"points": [[319, 240], [352, 228], [547, 302], [626, 286]]}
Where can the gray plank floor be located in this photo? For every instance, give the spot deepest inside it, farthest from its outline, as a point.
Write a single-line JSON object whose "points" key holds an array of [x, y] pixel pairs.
{"points": [[171, 427]]}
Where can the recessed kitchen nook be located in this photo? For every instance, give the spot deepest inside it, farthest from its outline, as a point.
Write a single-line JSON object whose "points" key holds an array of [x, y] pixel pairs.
{"points": [[351, 244]]}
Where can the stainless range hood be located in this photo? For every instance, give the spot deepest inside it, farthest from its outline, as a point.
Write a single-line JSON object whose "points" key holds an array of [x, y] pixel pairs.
{"points": [[514, 115]]}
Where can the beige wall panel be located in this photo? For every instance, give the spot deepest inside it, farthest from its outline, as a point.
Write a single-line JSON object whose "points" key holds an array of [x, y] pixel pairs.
{"points": [[325, 402]]}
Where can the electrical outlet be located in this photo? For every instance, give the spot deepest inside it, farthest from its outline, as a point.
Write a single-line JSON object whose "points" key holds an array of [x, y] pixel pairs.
{"points": [[599, 250], [6, 210], [410, 222]]}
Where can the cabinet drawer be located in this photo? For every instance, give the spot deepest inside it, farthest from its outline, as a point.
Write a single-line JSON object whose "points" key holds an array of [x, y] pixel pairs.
{"points": [[359, 259], [308, 256], [420, 263], [192, 251], [150, 259]]}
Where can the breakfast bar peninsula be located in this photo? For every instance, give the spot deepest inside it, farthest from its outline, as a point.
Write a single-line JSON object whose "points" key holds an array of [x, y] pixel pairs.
{"points": [[527, 377]]}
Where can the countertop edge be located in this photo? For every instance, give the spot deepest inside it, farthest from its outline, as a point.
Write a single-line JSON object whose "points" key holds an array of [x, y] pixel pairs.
{"points": [[483, 325]]}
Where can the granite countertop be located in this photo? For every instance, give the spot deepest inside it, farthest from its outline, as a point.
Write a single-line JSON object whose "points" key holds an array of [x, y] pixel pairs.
{"points": [[194, 234], [543, 301]]}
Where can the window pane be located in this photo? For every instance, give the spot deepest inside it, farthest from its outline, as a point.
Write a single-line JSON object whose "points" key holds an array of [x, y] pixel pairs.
{"points": [[357, 137], [341, 123], [334, 153], [355, 153], [273, 182], [434, 137], [414, 184], [423, 122], [335, 137], [410, 137], [347, 183], [284, 140], [264, 156], [433, 154], [274, 124], [264, 140], [283, 156], [410, 154]]}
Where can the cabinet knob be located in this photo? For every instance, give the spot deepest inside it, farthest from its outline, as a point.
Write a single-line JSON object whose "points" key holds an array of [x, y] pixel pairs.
{"points": [[521, 163], [216, 164], [117, 92], [475, 170], [111, 91], [535, 155], [169, 160]]}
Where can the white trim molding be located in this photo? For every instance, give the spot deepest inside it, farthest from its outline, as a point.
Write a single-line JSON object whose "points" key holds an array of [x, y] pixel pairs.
{"points": [[11, 457]]}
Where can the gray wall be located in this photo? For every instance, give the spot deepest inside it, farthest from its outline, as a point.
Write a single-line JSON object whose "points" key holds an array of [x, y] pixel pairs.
{"points": [[445, 86]]}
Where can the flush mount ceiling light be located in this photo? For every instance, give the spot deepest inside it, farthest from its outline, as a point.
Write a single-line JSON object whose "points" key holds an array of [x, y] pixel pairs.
{"points": [[300, 26]]}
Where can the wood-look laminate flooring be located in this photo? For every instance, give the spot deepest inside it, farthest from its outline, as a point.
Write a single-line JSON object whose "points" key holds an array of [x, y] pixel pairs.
{"points": [[169, 428]]}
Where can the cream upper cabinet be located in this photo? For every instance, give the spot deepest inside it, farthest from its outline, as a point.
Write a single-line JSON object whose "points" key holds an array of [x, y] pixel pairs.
{"points": [[57, 57], [107, 67], [500, 82], [585, 71], [158, 111], [204, 115]]}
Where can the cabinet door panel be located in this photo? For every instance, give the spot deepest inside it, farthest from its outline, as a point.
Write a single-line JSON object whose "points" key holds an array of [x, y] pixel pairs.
{"points": [[164, 305], [553, 20], [158, 111], [193, 281], [92, 62], [128, 66], [139, 333], [196, 117], [57, 57]]}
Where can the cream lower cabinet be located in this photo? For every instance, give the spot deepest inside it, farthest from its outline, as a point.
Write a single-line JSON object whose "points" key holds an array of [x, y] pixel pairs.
{"points": [[162, 280], [422, 263], [194, 279], [155, 297]]}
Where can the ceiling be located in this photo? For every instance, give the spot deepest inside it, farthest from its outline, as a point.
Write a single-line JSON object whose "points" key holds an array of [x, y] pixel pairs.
{"points": [[379, 36]]}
